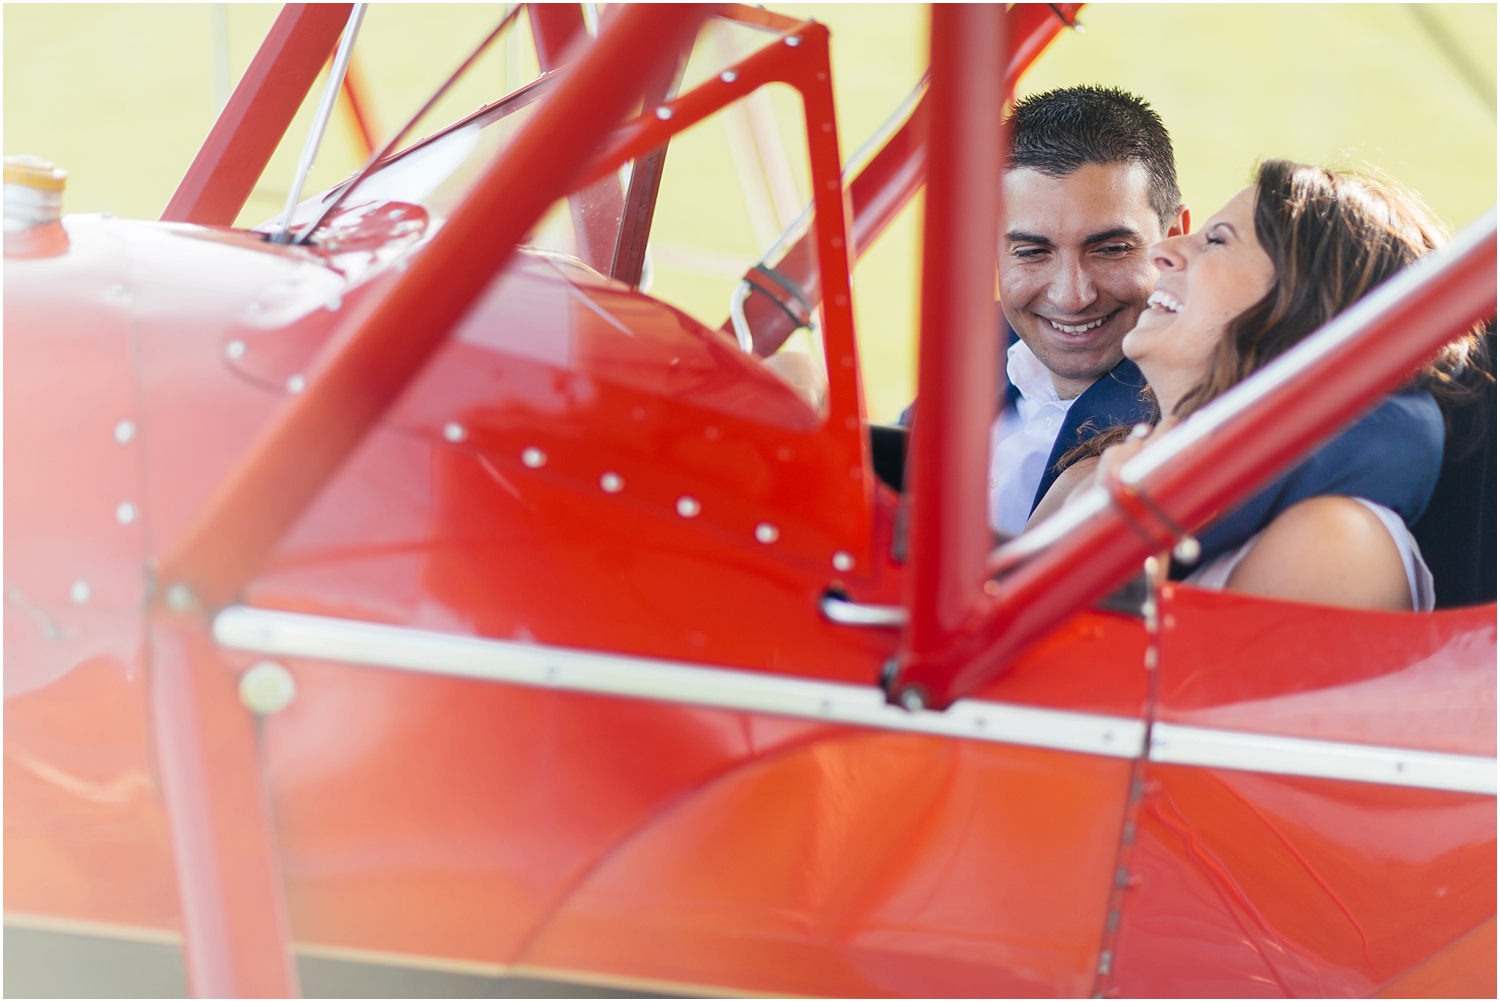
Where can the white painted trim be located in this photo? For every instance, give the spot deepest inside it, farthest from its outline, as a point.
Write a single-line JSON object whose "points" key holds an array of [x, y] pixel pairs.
{"points": [[289, 634], [1357, 763]]}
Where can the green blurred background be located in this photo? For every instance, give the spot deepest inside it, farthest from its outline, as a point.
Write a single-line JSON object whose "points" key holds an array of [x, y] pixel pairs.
{"points": [[122, 95]]}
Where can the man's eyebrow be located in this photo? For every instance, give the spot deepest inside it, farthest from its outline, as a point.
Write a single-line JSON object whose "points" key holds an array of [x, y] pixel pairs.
{"points": [[1118, 233], [1017, 237]]}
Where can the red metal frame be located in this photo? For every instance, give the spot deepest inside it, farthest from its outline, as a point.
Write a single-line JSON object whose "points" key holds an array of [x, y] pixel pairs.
{"points": [[956, 384], [382, 348], [236, 941], [557, 28], [887, 183], [805, 67], [235, 932], [246, 134], [1022, 890], [1456, 289]]}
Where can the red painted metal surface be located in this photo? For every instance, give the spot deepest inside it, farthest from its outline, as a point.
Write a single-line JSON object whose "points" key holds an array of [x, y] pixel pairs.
{"points": [[886, 184], [384, 348], [558, 31], [235, 935], [1193, 487], [440, 823], [804, 66], [1308, 887], [262, 106], [949, 531]]}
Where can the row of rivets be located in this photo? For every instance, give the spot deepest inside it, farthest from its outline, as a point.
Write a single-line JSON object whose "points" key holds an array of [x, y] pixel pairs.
{"points": [[294, 384], [612, 483], [80, 592]]}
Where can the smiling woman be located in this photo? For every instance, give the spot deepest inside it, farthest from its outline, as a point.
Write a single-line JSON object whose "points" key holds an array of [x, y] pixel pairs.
{"points": [[1279, 261], [1207, 280]]}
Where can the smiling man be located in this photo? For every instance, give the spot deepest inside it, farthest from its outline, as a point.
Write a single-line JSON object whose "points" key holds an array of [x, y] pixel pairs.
{"points": [[1090, 185]]}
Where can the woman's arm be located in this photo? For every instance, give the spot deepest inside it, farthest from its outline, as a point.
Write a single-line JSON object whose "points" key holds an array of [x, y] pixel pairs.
{"points": [[1079, 476], [1096, 469], [1327, 551]]}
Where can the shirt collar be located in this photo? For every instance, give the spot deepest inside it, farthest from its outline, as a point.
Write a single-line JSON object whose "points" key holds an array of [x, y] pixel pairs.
{"points": [[1027, 374]]}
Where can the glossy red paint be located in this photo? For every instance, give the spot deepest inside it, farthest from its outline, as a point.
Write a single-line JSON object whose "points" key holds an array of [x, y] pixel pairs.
{"points": [[448, 823], [381, 350], [259, 111], [950, 531], [1308, 886]]}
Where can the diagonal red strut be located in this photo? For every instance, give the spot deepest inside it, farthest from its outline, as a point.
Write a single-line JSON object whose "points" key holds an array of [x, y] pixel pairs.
{"points": [[239, 146], [380, 349]]}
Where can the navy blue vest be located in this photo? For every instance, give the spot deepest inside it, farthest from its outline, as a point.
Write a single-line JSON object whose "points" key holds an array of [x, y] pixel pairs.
{"points": [[1391, 456], [1115, 399]]}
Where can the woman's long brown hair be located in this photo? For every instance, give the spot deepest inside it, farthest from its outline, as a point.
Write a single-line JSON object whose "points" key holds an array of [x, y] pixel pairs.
{"points": [[1333, 236]]}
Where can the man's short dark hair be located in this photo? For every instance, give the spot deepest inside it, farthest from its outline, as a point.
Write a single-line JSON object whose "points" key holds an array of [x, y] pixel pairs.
{"points": [[1057, 132]]}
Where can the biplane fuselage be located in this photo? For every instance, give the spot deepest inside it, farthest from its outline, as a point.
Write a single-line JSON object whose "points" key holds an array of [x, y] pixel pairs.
{"points": [[582, 693]]}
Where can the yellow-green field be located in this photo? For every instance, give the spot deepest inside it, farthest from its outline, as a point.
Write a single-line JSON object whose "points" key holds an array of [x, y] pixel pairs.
{"points": [[122, 95]]}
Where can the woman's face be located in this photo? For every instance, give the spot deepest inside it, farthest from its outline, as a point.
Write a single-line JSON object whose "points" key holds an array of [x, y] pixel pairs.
{"points": [[1207, 279]]}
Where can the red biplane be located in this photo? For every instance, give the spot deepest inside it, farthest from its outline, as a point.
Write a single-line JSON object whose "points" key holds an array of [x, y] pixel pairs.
{"points": [[393, 601]]}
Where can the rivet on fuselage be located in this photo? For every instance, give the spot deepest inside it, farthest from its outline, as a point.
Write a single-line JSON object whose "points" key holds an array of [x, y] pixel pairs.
{"points": [[296, 384], [612, 483], [125, 513], [687, 507], [267, 688], [179, 598], [664, 113], [80, 592], [729, 76], [455, 432], [124, 431], [842, 561], [235, 349], [767, 533], [793, 41], [533, 457]]}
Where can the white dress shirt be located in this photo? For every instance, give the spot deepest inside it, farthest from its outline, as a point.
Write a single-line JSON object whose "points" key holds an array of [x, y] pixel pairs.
{"points": [[1021, 439]]}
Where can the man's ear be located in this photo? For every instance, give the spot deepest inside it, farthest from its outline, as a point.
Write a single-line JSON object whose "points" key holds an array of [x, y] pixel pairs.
{"points": [[1183, 224]]}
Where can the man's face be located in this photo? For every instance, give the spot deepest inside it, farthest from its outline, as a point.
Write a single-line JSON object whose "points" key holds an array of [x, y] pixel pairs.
{"points": [[1074, 275]]}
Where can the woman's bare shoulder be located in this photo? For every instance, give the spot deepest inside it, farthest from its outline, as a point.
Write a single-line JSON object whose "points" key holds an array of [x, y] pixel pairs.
{"points": [[1328, 551]]}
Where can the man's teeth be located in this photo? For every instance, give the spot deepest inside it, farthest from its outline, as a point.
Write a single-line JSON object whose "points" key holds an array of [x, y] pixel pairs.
{"points": [[1164, 301], [1077, 330]]}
